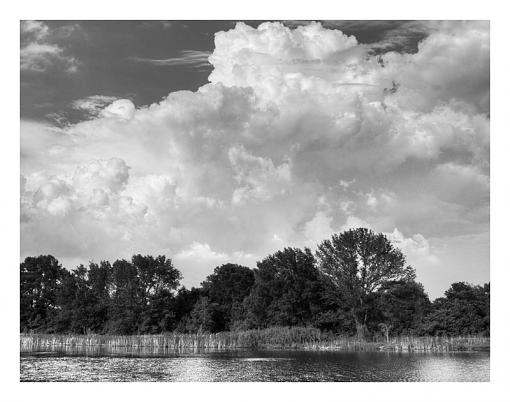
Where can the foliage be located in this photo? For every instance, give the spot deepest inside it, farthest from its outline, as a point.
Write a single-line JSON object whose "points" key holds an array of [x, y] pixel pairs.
{"points": [[356, 284], [400, 307], [464, 310], [41, 280], [226, 289], [359, 262], [286, 292]]}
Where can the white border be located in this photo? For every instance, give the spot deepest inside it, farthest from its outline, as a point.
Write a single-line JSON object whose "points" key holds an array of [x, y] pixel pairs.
{"points": [[12, 390]]}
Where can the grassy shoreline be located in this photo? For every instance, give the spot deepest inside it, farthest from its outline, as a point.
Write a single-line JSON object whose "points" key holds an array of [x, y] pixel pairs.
{"points": [[271, 338]]}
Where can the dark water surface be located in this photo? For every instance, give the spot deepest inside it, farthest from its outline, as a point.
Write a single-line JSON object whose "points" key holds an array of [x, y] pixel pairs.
{"points": [[254, 366]]}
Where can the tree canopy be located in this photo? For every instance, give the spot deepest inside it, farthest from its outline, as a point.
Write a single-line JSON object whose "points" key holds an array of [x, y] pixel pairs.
{"points": [[359, 262], [287, 290], [357, 282]]}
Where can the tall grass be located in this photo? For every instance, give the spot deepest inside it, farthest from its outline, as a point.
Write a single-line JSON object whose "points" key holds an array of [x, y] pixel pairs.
{"points": [[270, 338]]}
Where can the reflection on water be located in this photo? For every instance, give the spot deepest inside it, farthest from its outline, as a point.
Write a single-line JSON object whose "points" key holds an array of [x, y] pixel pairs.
{"points": [[98, 364]]}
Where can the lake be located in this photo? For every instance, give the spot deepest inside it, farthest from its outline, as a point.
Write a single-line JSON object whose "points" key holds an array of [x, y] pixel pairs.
{"points": [[245, 365]]}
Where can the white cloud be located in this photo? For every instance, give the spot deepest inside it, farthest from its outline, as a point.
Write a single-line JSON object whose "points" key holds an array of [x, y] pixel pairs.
{"points": [[38, 30], [273, 55], [198, 260], [451, 63], [318, 228], [39, 53], [415, 247], [110, 175], [258, 176], [93, 105], [122, 109], [39, 57], [202, 252], [294, 137]]}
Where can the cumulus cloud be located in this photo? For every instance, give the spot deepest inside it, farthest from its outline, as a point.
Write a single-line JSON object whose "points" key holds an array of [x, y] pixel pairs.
{"points": [[300, 132], [122, 109], [93, 105], [415, 247], [258, 176], [111, 175], [452, 63]]}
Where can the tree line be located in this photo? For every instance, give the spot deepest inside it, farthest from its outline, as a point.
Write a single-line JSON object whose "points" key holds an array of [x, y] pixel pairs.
{"points": [[357, 283]]}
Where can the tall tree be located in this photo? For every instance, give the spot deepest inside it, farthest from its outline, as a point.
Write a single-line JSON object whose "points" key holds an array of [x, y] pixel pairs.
{"points": [[201, 318], [100, 284], [226, 288], [40, 282], [157, 280], [400, 307], [359, 262], [287, 290], [185, 301], [76, 303], [155, 275], [126, 300]]}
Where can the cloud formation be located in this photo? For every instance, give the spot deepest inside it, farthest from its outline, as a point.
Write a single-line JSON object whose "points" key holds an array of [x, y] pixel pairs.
{"points": [[40, 53], [188, 58], [93, 105], [300, 132]]}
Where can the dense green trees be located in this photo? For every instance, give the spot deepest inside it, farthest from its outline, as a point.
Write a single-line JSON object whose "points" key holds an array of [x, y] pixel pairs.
{"points": [[226, 290], [400, 307], [357, 283], [465, 309], [358, 263], [287, 290], [41, 280]]}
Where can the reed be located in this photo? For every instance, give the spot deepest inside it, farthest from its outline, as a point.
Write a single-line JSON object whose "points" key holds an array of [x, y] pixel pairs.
{"points": [[438, 344], [270, 338]]}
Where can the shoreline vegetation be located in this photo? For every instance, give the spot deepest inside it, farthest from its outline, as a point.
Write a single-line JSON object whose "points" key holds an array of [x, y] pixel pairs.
{"points": [[355, 291], [284, 338]]}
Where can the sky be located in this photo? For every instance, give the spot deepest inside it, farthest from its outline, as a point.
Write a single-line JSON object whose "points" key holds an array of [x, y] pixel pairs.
{"points": [[225, 141]]}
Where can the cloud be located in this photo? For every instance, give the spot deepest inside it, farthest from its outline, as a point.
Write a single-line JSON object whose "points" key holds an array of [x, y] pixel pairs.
{"points": [[200, 259], [122, 109], [460, 184], [35, 29], [353, 222], [415, 248], [318, 228], [91, 187], [39, 57], [280, 148], [202, 252], [258, 177], [111, 175], [452, 63], [188, 58], [400, 36], [93, 105], [40, 53]]}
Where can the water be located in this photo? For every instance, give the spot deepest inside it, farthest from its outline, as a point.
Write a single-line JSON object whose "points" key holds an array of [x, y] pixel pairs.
{"points": [[98, 365]]}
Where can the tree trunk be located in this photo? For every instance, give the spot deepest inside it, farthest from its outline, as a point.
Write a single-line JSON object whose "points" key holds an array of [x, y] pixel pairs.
{"points": [[360, 327]]}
